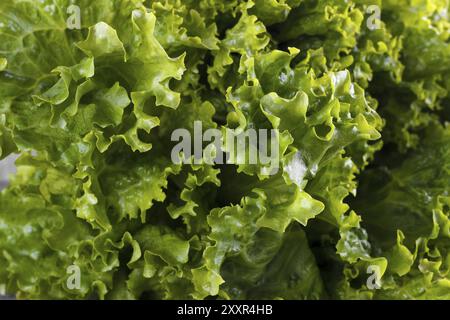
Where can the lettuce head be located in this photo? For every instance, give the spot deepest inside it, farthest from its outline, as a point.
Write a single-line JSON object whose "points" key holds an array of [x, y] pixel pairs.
{"points": [[91, 91]]}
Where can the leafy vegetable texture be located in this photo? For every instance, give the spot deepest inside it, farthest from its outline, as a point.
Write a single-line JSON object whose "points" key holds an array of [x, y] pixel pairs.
{"points": [[357, 91]]}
